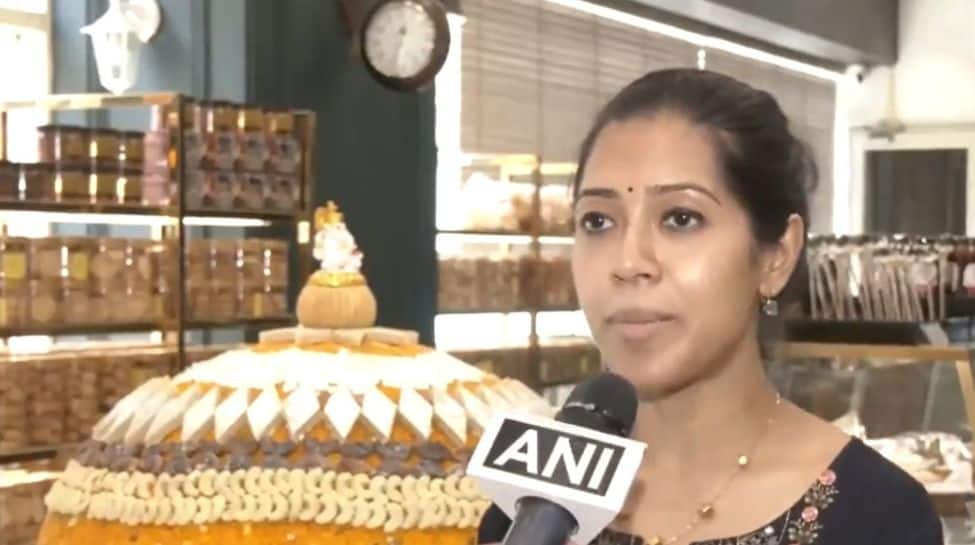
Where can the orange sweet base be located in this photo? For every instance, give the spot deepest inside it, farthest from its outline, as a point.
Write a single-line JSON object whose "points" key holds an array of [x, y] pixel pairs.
{"points": [[61, 530]]}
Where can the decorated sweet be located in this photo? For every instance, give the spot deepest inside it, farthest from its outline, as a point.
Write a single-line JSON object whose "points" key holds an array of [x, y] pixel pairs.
{"points": [[344, 435]]}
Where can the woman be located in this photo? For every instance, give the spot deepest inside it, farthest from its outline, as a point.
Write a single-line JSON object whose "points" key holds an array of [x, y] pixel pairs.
{"points": [[690, 219]]}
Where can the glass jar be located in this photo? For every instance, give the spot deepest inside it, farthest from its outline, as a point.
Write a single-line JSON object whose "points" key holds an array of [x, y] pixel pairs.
{"points": [[223, 262], [249, 191], [105, 148], [100, 301], [45, 302], [252, 137], [198, 264], [197, 188], [137, 269], [130, 186], [130, 303], [222, 147], [44, 256], [199, 304], [9, 181], [76, 302], [276, 263], [103, 183], [13, 281], [283, 192], [38, 182], [76, 255], [220, 189], [13, 304], [108, 258], [223, 302], [72, 184], [251, 259], [63, 144], [285, 156], [133, 149]]}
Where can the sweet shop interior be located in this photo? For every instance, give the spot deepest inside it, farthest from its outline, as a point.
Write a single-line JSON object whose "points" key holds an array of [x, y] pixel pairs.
{"points": [[269, 271]]}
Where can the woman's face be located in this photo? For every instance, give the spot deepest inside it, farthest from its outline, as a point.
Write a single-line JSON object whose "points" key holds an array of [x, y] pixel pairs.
{"points": [[664, 262]]}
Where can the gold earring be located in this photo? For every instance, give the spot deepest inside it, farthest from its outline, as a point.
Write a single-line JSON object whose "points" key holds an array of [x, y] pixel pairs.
{"points": [[770, 307]]}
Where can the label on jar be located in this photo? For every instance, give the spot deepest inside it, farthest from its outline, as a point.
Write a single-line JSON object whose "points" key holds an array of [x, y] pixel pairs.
{"points": [[78, 266], [14, 266], [3, 313]]}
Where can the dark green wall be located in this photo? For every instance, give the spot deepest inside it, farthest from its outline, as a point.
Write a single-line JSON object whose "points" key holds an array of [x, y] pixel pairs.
{"points": [[375, 153]]}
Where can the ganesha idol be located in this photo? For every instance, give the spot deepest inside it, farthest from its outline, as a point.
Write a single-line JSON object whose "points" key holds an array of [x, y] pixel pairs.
{"points": [[331, 432]]}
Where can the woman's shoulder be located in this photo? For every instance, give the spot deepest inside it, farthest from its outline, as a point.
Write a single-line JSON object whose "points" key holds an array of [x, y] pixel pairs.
{"points": [[864, 468], [878, 496]]}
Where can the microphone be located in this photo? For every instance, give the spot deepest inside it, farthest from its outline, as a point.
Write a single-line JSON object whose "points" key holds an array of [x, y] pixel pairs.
{"points": [[563, 478]]}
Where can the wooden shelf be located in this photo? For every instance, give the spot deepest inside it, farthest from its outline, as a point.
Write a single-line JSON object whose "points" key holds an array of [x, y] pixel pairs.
{"points": [[88, 101], [139, 327], [33, 454], [83, 329], [244, 214], [257, 322], [86, 208], [890, 354]]}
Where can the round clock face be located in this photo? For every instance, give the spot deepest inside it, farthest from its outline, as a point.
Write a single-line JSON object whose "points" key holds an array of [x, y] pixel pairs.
{"points": [[404, 40]]}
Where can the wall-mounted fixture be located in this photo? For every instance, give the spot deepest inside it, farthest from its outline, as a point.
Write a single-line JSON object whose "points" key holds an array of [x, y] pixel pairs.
{"points": [[117, 38]]}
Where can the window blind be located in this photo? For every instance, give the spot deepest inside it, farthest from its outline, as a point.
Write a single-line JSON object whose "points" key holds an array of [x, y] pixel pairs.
{"points": [[535, 73]]}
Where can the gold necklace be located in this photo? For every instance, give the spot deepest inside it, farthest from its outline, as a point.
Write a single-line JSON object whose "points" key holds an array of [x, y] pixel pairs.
{"points": [[706, 510]]}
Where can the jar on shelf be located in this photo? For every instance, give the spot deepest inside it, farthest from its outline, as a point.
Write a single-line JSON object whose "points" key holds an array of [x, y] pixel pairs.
{"points": [[223, 302], [63, 144], [38, 182], [250, 255], [13, 281], [9, 181], [72, 184], [137, 270], [198, 189], [250, 190], [198, 303], [129, 187], [252, 137], [222, 147], [76, 255], [283, 192], [457, 283], [45, 302], [76, 302], [131, 302], [105, 148], [276, 263], [219, 187], [44, 256], [108, 258], [198, 264], [133, 149], [103, 186], [285, 156]]}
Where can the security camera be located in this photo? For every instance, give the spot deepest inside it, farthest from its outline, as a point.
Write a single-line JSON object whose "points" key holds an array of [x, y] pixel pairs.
{"points": [[858, 71]]}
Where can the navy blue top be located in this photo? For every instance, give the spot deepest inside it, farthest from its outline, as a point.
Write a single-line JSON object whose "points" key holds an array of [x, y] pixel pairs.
{"points": [[862, 499]]}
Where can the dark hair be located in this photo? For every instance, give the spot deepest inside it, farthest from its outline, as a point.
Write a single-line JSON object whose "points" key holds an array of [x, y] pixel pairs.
{"points": [[767, 168]]}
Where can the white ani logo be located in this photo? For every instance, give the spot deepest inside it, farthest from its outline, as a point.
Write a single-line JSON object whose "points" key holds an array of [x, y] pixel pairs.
{"points": [[525, 451]]}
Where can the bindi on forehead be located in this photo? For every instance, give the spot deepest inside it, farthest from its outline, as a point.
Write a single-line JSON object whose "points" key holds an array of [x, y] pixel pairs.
{"points": [[629, 189]]}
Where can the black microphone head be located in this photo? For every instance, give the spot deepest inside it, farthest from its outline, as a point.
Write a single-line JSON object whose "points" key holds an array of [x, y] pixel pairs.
{"points": [[605, 402]]}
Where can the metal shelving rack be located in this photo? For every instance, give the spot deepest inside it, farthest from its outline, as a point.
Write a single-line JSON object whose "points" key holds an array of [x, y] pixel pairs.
{"points": [[174, 216]]}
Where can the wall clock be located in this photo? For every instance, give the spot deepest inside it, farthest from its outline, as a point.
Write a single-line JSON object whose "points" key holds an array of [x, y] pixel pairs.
{"points": [[404, 43]]}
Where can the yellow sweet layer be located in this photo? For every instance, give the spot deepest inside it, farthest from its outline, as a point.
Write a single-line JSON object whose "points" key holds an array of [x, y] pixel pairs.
{"points": [[62, 530]]}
